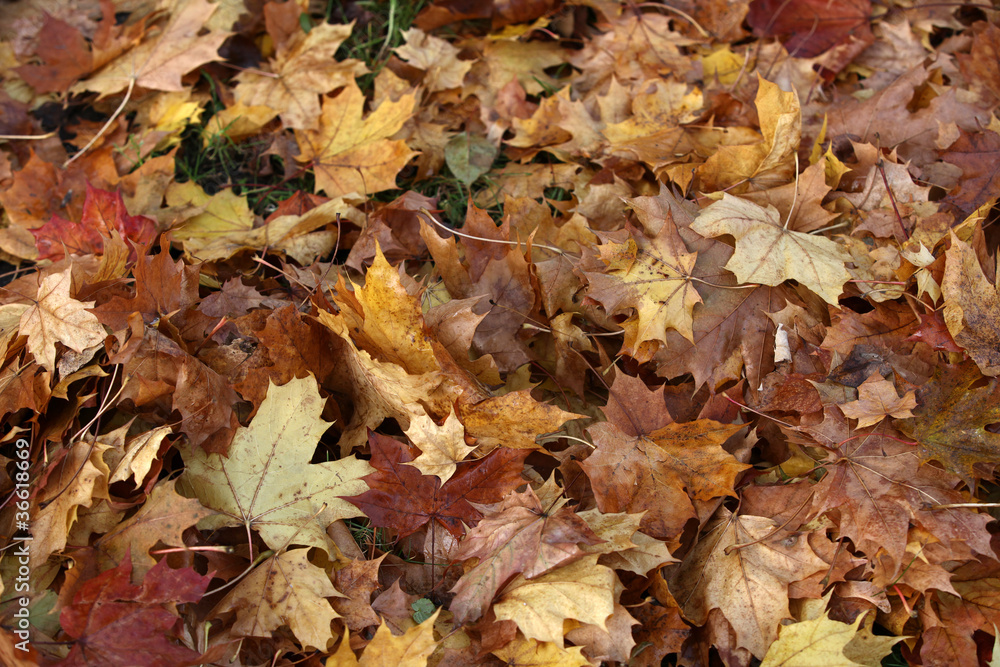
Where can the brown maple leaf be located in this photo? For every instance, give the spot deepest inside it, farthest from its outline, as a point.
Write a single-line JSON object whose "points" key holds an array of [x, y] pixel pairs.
{"points": [[401, 498]]}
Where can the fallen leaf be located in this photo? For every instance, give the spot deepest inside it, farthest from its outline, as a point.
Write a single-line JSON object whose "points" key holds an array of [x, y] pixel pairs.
{"points": [[582, 590], [441, 447], [56, 317], [401, 498], [354, 154], [159, 64], [768, 253], [877, 399], [303, 69], [653, 277], [521, 537], [117, 624], [267, 483], [286, 589], [819, 641], [971, 306], [743, 566]]}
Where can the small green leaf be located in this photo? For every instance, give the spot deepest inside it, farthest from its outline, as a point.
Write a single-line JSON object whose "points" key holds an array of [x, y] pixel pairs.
{"points": [[469, 157], [422, 610], [305, 21]]}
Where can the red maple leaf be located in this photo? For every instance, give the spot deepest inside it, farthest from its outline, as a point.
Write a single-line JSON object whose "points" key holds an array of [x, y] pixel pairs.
{"points": [[102, 212], [810, 27], [117, 623], [400, 497]]}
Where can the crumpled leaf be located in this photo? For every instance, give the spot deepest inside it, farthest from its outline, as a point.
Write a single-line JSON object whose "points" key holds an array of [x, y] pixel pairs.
{"points": [[971, 306]]}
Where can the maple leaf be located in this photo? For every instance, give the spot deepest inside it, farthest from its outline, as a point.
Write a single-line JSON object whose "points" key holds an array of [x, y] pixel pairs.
{"points": [[976, 154], [286, 589], [267, 483], [532, 652], [65, 56], [354, 154], [623, 547], [812, 26], [159, 64], [768, 253], [438, 59], [522, 536], [754, 166], [103, 211], [951, 424], [877, 399], [661, 471], [163, 287], [77, 478], [441, 447], [303, 68], [162, 518], [117, 624], [971, 306], [743, 566], [401, 498], [819, 641], [356, 582], [878, 488], [652, 276], [409, 649], [582, 590], [513, 420], [56, 317]]}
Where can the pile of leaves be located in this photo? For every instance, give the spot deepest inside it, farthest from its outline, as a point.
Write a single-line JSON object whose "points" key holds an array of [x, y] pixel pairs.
{"points": [[571, 332]]}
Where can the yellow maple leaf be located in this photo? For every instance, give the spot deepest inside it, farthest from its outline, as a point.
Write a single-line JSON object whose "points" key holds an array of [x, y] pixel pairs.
{"points": [[351, 153], [651, 277], [56, 317], [766, 163], [582, 590], [286, 589], [818, 641], [523, 651], [441, 447], [410, 649], [769, 254], [267, 481], [301, 71], [877, 399]]}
